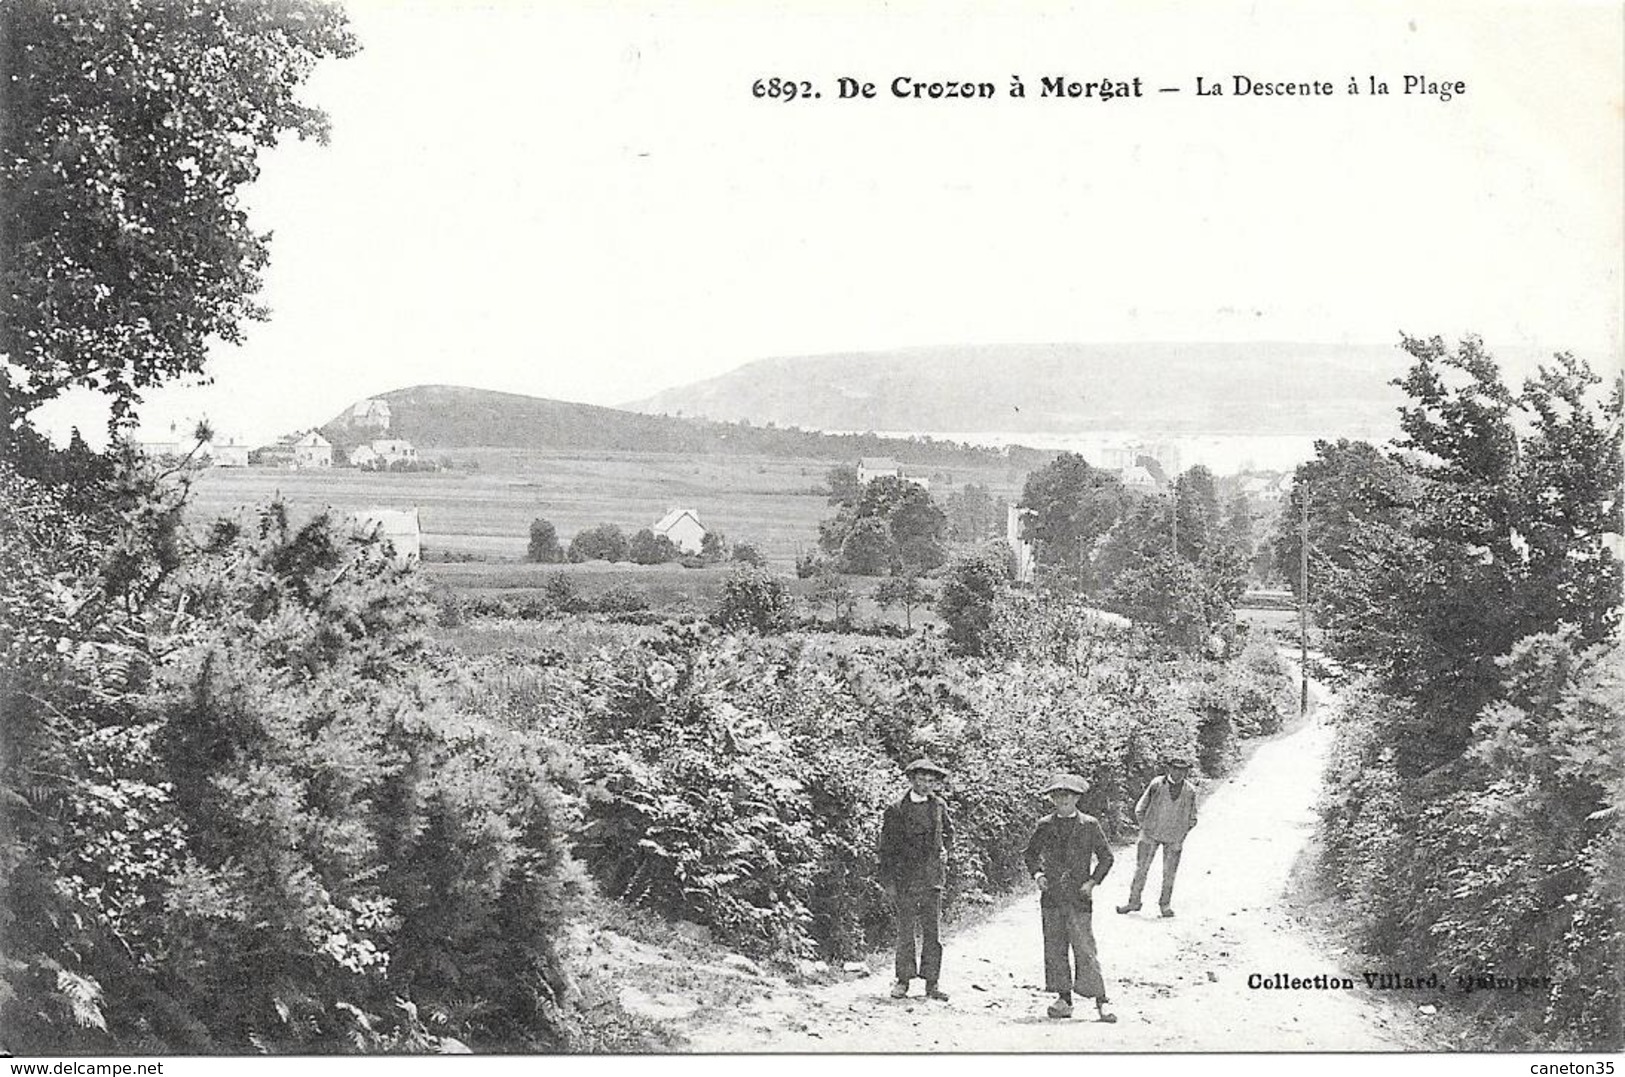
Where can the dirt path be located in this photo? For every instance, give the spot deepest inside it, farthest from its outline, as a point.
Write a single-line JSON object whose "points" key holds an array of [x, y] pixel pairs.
{"points": [[1177, 985]]}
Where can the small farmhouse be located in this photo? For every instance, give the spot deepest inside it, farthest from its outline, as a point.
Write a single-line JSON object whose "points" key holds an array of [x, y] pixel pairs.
{"points": [[311, 450], [228, 453], [401, 528], [871, 468], [874, 467], [382, 453], [1139, 479], [684, 529]]}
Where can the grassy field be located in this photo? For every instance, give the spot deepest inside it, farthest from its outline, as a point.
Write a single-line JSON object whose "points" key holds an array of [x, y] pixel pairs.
{"points": [[482, 507]]}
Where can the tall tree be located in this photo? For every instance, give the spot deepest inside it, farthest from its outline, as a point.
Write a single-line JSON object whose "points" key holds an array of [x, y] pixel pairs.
{"points": [[127, 132], [1072, 506], [1494, 531], [893, 525]]}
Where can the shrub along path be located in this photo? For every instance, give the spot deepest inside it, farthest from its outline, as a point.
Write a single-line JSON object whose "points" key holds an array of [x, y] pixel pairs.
{"points": [[1177, 985]]}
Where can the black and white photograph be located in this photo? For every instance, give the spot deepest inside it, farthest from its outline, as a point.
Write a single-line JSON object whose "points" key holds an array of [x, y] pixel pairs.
{"points": [[549, 527]]}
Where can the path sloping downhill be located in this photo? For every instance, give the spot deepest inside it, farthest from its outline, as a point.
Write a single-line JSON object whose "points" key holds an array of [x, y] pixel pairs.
{"points": [[1177, 984]]}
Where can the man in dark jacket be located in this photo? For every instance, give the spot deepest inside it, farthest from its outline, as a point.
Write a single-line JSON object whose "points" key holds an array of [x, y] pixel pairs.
{"points": [[1068, 857], [915, 836]]}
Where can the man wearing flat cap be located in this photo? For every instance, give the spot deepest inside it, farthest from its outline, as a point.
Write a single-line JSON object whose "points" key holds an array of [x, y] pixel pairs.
{"points": [[1068, 857], [1166, 811], [915, 836]]}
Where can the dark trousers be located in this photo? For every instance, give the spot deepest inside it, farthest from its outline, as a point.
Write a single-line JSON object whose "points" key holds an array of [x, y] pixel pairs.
{"points": [[1170, 867], [1067, 928], [919, 911]]}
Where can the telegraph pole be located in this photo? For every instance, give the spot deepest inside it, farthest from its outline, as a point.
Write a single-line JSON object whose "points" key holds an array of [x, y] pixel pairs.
{"points": [[1303, 605]]}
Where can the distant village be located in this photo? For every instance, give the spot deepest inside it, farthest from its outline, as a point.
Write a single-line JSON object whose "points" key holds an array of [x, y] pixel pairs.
{"points": [[307, 449], [1145, 467]]}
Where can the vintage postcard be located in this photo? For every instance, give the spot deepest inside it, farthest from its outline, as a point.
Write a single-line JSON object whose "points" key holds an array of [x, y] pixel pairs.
{"points": [[715, 528]]}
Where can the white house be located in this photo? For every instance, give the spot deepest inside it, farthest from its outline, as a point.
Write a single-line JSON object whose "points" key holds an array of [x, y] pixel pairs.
{"points": [[1025, 558], [312, 450], [391, 450], [1138, 478], [228, 453], [382, 452], [401, 528], [684, 529], [873, 467]]}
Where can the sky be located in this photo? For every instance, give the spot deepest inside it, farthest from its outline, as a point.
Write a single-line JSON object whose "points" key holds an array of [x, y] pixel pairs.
{"points": [[585, 201]]}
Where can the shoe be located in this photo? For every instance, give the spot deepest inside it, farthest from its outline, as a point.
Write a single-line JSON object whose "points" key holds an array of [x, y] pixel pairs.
{"points": [[1167, 911], [899, 990], [1128, 908], [1060, 1008], [1105, 1018], [933, 991]]}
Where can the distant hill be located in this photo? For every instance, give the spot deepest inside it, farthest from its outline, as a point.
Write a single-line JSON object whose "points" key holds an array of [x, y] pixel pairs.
{"points": [[435, 417], [1269, 388]]}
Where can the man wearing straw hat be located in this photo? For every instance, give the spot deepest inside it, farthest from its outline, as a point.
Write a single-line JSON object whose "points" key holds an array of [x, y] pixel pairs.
{"points": [[1068, 857], [915, 836]]}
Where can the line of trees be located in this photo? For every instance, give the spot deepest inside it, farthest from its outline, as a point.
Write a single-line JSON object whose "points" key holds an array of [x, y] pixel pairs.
{"points": [[607, 542], [1176, 563], [1465, 575]]}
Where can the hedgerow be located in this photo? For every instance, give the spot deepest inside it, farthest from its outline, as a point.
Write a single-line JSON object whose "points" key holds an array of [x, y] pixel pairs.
{"points": [[1505, 862], [737, 781], [242, 813]]}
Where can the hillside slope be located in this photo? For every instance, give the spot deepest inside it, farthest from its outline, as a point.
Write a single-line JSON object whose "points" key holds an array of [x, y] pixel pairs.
{"points": [[1172, 388], [436, 417]]}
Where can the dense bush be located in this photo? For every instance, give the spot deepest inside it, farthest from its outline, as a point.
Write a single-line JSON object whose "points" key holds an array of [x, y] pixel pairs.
{"points": [[241, 813], [544, 545], [738, 781], [1511, 858], [970, 589], [647, 548], [753, 598], [605, 542]]}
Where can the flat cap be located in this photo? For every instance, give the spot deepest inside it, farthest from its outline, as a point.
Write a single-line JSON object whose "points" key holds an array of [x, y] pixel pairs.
{"points": [[926, 765], [1067, 783]]}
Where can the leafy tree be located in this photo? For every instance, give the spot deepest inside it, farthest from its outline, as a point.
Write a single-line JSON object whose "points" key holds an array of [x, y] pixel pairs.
{"points": [[544, 545], [713, 547], [1200, 530], [1493, 530], [831, 589], [747, 554], [647, 548], [1185, 597], [753, 598], [974, 515], [844, 487], [970, 590], [868, 548], [907, 591], [605, 542], [128, 134], [1072, 505], [894, 522]]}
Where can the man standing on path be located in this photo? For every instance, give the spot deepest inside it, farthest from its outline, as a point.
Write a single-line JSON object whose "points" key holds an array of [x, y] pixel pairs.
{"points": [[1068, 857], [1167, 812], [915, 836]]}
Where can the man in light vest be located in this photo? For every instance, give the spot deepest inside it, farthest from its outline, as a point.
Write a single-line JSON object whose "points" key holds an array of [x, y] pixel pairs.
{"points": [[1167, 812]]}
